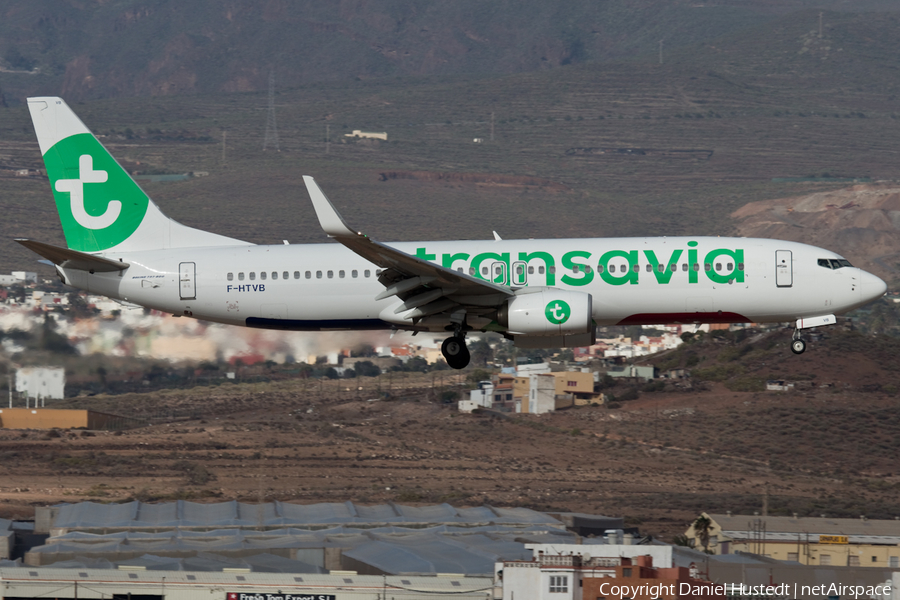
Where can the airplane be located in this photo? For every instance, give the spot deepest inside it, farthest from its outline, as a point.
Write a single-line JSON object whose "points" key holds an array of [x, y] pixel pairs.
{"points": [[539, 293]]}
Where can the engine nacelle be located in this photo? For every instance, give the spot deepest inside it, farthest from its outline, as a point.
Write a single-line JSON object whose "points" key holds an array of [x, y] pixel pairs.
{"points": [[547, 312]]}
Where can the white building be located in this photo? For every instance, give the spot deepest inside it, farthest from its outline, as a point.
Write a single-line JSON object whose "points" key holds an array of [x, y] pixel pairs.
{"points": [[25, 276], [371, 135], [41, 383], [541, 394]]}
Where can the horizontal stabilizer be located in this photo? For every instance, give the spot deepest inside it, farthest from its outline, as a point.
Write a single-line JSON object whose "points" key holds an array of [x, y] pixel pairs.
{"points": [[72, 259]]}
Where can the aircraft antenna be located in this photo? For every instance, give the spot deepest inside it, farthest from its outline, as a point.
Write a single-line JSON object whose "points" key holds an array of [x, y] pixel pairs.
{"points": [[271, 140]]}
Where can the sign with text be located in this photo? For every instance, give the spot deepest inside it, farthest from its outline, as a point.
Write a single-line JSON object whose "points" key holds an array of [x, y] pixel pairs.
{"points": [[277, 596], [833, 539]]}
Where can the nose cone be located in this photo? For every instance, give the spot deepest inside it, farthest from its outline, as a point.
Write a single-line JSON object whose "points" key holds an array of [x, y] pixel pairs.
{"points": [[871, 287]]}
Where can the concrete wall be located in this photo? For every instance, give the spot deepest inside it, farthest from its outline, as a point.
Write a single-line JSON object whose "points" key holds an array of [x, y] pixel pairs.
{"points": [[57, 418], [42, 418]]}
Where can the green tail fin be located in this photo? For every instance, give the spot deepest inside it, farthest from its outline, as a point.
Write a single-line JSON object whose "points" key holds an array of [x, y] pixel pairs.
{"points": [[100, 206]]}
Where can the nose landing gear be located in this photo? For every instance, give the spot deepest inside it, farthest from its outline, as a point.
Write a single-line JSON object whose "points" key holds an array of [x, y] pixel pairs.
{"points": [[798, 346]]}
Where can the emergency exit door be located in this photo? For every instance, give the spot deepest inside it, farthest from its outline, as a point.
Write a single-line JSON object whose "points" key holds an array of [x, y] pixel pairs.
{"points": [[784, 269], [187, 276]]}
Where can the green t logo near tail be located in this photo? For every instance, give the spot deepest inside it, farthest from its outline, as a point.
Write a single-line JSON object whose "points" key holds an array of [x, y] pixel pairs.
{"points": [[99, 204]]}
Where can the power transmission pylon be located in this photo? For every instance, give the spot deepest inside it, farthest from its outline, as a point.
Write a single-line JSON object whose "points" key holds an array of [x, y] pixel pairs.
{"points": [[271, 140]]}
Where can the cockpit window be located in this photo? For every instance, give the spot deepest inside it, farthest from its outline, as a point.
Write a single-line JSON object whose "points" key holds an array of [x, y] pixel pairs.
{"points": [[834, 263]]}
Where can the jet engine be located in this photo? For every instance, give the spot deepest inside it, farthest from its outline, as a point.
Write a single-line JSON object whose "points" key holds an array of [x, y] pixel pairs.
{"points": [[548, 312]]}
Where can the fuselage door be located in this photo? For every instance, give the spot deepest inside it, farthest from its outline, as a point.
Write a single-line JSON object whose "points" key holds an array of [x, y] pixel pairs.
{"points": [[520, 273], [187, 276], [784, 270]]}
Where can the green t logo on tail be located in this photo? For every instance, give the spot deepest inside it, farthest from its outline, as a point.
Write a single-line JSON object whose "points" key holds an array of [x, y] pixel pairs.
{"points": [[99, 204], [558, 312]]}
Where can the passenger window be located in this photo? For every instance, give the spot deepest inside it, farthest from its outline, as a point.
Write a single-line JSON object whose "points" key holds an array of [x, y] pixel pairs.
{"points": [[740, 266], [471, 271], [286, 275], [354, 273], [649, 268], [240, 276], [297, 274], [318, 274], [252, 275], [484, 270], [730, 266], [459, 269], [540, 270], [587, 268], [575, 268], [520, 270], [707, 267], [308, 274], [599, 268], [718, 267], [551, 269], [635, 268], [378, 272], [612, 268], [330, 274], [684, 267], [274, 275], [367, 273], [696, 267], [230, 277], [341, 274], [262, 275], [673, 267], [661, 268], [824, 262]]}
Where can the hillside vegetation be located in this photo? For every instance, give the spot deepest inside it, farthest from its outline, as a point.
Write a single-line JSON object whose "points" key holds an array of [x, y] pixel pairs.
{"points": [[616, 148], [161, 47]]}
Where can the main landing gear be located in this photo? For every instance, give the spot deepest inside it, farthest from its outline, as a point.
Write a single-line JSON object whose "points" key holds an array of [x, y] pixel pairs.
{"points": [[454, 348], [455, 351], [798, 346]]}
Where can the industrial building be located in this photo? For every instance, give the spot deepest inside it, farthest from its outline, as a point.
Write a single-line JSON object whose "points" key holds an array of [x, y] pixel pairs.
{"points": [[385, 539], [29, 582], [822, 541]]}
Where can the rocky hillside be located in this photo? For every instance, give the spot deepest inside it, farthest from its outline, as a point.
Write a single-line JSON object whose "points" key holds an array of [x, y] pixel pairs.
{"points": [[862, 222]]}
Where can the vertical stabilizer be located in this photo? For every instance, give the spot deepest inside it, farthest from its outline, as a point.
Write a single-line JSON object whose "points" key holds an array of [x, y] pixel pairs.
{"points": [[100, 206]]}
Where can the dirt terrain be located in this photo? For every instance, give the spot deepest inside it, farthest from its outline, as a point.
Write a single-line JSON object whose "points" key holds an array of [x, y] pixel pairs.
{"points": [[828, 447]]}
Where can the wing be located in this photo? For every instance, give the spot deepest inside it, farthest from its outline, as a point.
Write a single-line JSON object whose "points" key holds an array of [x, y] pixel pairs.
{"points": [[425, 288]]}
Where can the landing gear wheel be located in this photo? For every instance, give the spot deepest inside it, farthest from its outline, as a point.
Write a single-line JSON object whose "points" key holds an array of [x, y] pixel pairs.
{"points": [[798, 346], [455, 352]]}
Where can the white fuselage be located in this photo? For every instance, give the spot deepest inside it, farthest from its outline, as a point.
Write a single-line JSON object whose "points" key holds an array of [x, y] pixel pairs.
{"points": [[632, 280]]}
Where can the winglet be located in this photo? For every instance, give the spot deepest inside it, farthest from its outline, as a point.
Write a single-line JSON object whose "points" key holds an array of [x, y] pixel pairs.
{"points": [[329, 219]]}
